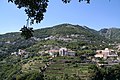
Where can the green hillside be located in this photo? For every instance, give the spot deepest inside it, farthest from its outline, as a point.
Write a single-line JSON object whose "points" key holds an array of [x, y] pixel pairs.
{"points": [[11, 42], [111, 33], [65, 29], [70, 36], [37, 64]]}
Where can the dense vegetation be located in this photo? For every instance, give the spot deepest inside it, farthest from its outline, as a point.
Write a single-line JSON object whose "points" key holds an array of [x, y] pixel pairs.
{"points": [[65, 68], [80, 36], [111, 33], [81, 39], [105, 73]]}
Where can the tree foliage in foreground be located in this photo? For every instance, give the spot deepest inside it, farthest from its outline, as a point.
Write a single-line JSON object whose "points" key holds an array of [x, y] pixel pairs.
{"points": [[33, 8], [105, 73], [26, 32]]}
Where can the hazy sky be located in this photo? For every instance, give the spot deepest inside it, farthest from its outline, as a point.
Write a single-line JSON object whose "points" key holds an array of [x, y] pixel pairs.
{"points": [[99, 14]]}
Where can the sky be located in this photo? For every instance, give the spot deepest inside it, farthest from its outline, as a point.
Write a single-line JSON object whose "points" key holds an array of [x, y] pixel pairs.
{"points": [[96, 15]]}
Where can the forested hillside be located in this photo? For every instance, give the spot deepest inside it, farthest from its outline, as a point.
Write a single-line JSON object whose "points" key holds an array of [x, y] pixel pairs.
{"points": [[111, 33], [11, 42], [30, 59]]}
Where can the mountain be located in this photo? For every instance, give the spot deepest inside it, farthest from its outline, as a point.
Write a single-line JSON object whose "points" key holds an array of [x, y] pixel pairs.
{"points": [[67, 33], [64, 29], [111, 33], [78, 39]]}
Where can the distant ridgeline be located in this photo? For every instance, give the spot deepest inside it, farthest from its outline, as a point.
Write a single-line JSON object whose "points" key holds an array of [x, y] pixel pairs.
{"points": [[111, 33]]}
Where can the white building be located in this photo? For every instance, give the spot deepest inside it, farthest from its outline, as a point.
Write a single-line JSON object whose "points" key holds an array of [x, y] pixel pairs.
{"points": [[66, 52], [21, 52], [14, 53], [106, 53], [63, 51]]}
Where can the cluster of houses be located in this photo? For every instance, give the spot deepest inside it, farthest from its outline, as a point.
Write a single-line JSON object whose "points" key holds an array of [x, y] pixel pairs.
{"points": [[64, 38], [109, 56], [21, 53], [58, 38], [51, 52], [107, 53], [61, 52]]}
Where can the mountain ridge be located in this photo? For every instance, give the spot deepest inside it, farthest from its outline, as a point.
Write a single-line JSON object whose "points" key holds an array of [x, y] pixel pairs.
{"points": [[110, 33], [13, 41]]}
